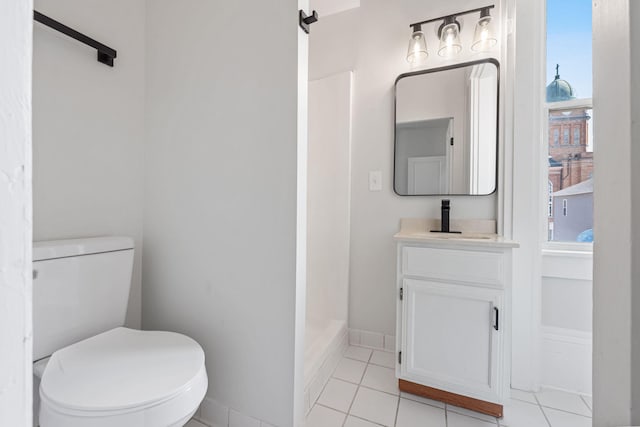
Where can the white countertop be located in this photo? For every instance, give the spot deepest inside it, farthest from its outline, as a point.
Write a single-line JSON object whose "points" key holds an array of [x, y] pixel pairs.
{"points": [[473, 232]]}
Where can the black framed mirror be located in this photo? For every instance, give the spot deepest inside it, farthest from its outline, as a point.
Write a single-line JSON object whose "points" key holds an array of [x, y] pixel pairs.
{"points": [[447, 130]]}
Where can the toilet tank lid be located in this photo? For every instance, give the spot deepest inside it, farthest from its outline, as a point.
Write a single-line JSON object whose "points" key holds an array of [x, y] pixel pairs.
{"points": [[53, 249]]}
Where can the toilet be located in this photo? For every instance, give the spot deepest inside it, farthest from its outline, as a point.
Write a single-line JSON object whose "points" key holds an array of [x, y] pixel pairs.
{"points": [[92, 371]]}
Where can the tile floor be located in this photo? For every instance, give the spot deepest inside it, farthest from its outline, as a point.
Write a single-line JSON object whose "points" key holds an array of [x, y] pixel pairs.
{"points": [[363, 392], [194, 423]]}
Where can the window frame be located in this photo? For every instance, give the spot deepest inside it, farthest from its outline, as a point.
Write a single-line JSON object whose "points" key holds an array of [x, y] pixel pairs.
{"points": [[549, 198], [586, 247]]}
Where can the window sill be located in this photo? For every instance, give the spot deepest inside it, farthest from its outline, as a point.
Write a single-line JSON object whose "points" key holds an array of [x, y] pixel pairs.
{"points": [[567, 248]]}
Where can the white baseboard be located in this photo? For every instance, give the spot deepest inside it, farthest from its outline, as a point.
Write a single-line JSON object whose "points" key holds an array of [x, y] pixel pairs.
{"points": [[320, 378], [566, 360], [373, 340], [214, 414]]}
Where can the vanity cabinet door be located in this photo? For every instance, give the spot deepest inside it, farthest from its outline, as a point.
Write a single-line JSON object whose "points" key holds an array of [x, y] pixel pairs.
{"points": [[452, 337]]}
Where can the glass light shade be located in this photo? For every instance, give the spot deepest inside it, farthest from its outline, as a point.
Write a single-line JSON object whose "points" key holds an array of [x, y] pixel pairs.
{"points": [[417, 51], [450, 40], [484, 37]]}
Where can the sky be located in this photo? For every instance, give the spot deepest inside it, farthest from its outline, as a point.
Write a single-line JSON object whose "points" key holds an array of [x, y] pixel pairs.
{"points": [[569, 41]]}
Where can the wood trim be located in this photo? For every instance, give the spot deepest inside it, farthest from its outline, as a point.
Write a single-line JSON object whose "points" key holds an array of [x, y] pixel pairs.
{"points": [[470, 403]]}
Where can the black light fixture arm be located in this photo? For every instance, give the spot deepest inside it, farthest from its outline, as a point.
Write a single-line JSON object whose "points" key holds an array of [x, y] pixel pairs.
{"points": [[106, 55], [466, 12]]}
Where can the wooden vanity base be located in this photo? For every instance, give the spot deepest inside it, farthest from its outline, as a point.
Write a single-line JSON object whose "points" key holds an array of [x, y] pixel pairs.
{"points": [[488, 408]]}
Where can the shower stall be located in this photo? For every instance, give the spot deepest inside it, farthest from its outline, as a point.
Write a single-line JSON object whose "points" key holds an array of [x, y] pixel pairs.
{"points": [[329, 182]]}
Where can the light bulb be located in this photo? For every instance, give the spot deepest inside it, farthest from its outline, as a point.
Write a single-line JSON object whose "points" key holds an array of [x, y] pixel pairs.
{"points": [[484, 37], [417, 51], [449, 38]]}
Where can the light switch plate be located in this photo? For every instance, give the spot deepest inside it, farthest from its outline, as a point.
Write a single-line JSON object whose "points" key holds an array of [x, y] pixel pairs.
{"points": [[375, 181]]}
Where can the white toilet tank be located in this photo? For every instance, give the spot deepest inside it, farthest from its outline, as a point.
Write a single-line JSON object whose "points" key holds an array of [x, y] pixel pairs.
{"points": [[80, 289]]}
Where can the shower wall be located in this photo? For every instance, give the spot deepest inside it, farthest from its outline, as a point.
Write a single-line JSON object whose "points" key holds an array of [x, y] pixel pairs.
{"points": [[328, 218], [328, 198]]}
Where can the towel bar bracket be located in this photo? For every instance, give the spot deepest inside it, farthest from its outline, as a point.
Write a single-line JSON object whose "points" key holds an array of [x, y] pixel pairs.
{"points": [[106, 55]]}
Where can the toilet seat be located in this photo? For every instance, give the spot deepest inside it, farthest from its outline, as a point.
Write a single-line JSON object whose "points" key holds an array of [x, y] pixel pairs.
{"points": [[124, 377]]}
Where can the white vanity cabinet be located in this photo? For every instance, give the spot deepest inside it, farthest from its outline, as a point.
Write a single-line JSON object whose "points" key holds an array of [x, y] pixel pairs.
{"points": [[453, 318]]}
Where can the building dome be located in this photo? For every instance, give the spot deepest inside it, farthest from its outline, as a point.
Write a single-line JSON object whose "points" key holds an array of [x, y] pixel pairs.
{"points": [[559, 90]]}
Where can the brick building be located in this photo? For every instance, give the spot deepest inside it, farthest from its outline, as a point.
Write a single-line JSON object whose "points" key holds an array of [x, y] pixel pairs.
{"points": [[570, 155]]}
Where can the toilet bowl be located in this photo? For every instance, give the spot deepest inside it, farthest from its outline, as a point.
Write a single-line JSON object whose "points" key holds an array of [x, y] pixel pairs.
{"points": [[92, 371], [125, 378]]}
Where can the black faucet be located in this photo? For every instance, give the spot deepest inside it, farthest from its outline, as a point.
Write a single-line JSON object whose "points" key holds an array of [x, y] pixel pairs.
{"points": [[444, 215], [445, 209]]}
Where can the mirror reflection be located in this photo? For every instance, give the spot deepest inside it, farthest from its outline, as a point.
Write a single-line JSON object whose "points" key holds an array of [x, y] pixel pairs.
{"points": [[446, 125]]}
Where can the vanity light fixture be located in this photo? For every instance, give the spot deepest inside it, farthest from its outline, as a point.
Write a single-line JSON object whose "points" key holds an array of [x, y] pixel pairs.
{"points": [[484, 37], [449, 35], [417, 51]]}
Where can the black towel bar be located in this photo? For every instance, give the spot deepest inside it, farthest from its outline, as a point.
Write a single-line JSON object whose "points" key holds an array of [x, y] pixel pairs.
{"points": [[106, 55]]}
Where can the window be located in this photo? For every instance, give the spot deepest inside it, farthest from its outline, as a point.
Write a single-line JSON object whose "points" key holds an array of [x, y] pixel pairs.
{"points": [[570, 121]]}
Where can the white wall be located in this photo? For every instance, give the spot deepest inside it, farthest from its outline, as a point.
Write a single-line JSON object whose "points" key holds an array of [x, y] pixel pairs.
{"points": [[329, 175], [88, 127], [15, 214], [329, 7], [634, 29], [300, 404], [566, 320], [372, 40], [523, 213], [567, 303], [616, 276], [220, 202]]}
